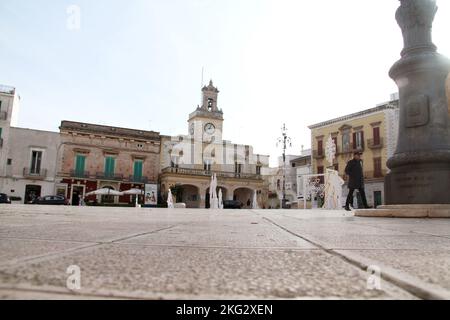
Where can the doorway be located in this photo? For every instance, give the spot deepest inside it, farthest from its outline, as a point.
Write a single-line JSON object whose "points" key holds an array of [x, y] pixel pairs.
{"points": [[77, 194], [378, 199], [32, 192]]}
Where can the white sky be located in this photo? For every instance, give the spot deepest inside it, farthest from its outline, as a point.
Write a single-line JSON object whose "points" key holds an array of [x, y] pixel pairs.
{"points": [[138, 63]]}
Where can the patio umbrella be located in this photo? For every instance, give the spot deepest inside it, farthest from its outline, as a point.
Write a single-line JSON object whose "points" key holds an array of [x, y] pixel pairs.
{"points": [[133, 192], [104, 192]]}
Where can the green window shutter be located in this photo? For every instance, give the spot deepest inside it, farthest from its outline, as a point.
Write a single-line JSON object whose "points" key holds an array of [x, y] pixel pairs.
{"points": [[138, 170], [109, 166], [80, 165]]}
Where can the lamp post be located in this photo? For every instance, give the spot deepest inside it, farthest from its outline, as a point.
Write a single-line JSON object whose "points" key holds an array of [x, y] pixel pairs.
{"points": [[284, 140]]}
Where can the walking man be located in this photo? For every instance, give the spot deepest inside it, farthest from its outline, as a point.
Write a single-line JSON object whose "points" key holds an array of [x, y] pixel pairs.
{"points": [[354, 171]]}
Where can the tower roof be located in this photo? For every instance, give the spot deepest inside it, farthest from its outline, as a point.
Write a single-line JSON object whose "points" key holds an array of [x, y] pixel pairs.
{"points": [[210, 87]]}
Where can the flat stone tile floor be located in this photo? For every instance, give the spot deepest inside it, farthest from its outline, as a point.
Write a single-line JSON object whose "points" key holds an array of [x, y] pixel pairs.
{"points": [[202, 254]]}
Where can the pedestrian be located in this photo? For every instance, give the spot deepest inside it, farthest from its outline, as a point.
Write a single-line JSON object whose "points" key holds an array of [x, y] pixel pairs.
{"points": [[354, 171]]}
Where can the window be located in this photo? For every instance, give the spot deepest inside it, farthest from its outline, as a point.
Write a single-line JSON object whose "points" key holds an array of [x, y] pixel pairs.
{"points": [[9, 162], [278, 184], [346, 141], [358, 140], [320, 147], [207, 166], [378, 173], [36, 160], [110, 163], [137, 170], [258, 170], [293, 165], [237, 168], [376, 136], [80, 163]]}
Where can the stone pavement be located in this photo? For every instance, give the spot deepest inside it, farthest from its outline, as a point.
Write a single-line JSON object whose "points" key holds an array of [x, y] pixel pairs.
{"points": [[199, 254]]}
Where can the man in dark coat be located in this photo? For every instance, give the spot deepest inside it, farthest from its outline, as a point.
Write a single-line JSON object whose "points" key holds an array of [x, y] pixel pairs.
{"points": [[354, 171]]}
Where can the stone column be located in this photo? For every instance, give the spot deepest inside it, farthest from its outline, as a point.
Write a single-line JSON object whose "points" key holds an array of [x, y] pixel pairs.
{"points": [[420, 166]]}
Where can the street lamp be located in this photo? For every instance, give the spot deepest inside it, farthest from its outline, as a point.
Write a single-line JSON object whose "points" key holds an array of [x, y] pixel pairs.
{"points": [[284, 140]]}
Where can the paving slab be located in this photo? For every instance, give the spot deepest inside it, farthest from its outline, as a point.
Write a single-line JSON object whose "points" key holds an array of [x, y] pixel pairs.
{"points": [[231, 254], [135, 270]]}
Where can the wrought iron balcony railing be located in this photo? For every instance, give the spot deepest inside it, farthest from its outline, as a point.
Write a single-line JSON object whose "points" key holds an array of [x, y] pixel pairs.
{"points": [[319, 154], [107, 176], [79, 174], [375, 144], [34, 173], [135, 179]]}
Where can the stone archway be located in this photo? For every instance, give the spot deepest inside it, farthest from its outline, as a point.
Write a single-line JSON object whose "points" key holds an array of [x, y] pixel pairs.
{"points": [[244, 195], [190, 195], [207, 195]]}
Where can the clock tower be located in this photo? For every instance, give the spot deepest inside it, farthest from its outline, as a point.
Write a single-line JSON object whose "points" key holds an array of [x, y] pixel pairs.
{"points": [[206, 122]]}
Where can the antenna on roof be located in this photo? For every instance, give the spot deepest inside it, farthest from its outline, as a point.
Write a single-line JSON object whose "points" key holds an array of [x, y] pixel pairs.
{"points": [[203, 70]]}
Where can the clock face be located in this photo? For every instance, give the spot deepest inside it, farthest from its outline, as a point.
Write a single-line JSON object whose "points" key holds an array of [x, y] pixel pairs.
{"points": [[210, 128]]}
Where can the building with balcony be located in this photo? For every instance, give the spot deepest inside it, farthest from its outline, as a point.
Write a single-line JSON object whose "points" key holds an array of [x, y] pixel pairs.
{"points": [[189, 161], [27, 156], [31, 164], [373, 132], [94, 156], [286, 174]]}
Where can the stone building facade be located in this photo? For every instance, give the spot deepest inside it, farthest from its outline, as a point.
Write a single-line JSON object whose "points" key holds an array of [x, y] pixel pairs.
{"points": [[28, 157], [188, 161], [373, 131], [94, 156]]}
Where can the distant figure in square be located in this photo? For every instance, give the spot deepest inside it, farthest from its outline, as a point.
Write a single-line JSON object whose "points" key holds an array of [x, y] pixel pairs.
{"points": [[354, 171]]}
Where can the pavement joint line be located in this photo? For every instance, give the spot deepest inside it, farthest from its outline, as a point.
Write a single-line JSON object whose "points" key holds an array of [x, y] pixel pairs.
{"points": [[409, 283], [215, 247], [410, 231], [49, 240], [142, 234], [394, 278], [62, 253], [48, 256]]}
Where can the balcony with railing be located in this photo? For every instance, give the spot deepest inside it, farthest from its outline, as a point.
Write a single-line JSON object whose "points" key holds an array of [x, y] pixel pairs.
{"points": [[3, 115], [375, 143], [319, 154], [80, 174], [34, 174], [108, 176], [138, 179], [208, 173]]}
